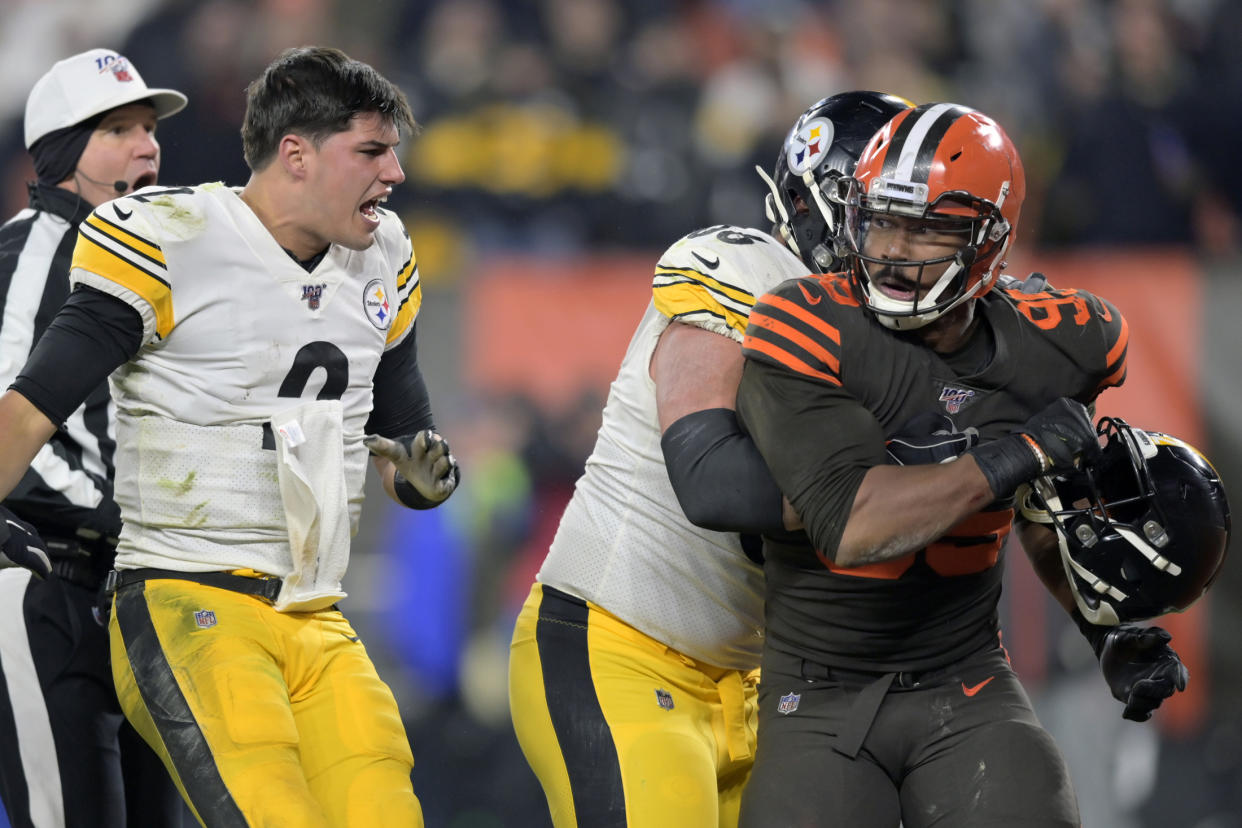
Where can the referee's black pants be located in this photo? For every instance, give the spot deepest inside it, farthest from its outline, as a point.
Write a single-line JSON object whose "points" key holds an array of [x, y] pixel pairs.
{"points": [[69, 757]]}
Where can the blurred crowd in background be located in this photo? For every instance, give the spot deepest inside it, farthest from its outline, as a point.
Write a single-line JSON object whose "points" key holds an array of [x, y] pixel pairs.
{"points": [[554, 131]]}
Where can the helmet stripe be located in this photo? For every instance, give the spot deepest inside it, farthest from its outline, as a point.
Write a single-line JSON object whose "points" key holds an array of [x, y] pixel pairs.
{"points": [[915, 143]]}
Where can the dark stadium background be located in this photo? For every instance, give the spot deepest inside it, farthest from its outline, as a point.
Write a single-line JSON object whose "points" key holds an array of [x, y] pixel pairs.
{"points": [[565, 143]]}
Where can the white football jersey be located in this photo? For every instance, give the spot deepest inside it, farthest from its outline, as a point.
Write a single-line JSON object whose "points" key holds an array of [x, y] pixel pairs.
{"points": [[624, 543], [234, 333]]}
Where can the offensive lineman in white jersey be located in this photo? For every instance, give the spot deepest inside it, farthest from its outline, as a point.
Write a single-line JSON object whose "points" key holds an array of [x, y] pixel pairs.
{"points": [[634, 660], [263, 341]]}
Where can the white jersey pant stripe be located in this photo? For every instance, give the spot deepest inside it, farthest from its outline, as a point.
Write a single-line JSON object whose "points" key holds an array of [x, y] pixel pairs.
{"points": [[34, 729]]}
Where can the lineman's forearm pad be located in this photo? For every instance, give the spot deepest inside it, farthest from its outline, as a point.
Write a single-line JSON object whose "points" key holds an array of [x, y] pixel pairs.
{"points": [[720, 479]]}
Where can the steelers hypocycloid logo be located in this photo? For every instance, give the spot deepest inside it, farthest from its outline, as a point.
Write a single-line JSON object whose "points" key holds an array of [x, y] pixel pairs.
{"points": [[808, 146], [375, 303]]}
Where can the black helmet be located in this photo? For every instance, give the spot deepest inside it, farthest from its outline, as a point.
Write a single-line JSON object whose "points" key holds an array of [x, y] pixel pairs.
{"points": [[823, 145], [1143, 529]]}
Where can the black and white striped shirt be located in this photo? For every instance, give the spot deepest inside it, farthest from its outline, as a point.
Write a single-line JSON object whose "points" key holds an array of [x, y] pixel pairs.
{"points": [[69, 485]]}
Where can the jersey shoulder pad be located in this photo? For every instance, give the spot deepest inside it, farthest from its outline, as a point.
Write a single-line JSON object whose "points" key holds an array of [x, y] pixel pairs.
{"points": [[1035, 282], [120, 251], [712, 276], [802, 324]]}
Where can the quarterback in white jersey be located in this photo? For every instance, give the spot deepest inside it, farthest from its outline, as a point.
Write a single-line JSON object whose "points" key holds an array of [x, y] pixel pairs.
{"points": [[260, 343], [224, 378], [634, 661]]}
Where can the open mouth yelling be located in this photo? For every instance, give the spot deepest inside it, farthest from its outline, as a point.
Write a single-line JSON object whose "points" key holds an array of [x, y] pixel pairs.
{"points": [[370, 210]]}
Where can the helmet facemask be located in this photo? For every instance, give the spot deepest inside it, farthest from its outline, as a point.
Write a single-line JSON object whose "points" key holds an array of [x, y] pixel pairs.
{"points": [[925, 169], [1142, 531], [901, 207]]}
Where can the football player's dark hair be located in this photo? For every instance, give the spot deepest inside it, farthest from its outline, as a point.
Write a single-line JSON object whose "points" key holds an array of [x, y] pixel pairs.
{"points": [[314, 92]]}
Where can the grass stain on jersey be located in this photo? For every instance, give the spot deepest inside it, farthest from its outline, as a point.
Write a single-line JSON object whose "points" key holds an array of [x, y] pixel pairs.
{"points": [[178, 217], [179, 488], [129, 376], [197, 516]]}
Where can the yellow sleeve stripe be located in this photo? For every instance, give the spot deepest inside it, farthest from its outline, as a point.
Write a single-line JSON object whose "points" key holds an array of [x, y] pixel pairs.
{"points": [[403, 275], [734, 293], [685, 299], [91, 256], [148, 250], [405, 314]]}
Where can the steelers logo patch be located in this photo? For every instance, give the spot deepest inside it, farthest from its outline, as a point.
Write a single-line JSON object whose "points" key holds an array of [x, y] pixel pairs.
{"points": [[807, 147], [375, 303]]}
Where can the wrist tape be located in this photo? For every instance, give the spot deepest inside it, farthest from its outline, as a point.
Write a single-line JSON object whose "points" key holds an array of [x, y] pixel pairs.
{"points": [[1009, 462]]}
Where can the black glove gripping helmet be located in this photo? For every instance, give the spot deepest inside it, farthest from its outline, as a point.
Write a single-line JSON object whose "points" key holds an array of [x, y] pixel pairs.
{"points": [[1143, 530], [823, 145]]}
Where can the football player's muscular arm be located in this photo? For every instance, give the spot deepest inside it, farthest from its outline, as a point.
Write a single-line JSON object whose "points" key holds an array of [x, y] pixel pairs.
{"points": [[718, 476], [826, 452], [694, 369]]}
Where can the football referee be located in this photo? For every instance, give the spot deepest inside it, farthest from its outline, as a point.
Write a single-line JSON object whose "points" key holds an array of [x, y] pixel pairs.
{"points": [[70, 758]]}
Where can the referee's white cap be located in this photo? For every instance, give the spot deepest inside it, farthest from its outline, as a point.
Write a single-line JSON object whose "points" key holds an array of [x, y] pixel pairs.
{"points": [[87, 84]]}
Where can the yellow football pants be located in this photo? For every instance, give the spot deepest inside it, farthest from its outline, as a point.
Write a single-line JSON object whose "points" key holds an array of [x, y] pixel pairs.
{"points": [[619, 728], [262, 718]]}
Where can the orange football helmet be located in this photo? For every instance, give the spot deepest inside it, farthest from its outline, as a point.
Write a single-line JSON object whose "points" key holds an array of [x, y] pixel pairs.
{"points": [[948, 166]]}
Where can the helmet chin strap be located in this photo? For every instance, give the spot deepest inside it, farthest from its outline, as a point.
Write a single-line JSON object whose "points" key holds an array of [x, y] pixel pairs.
{"points": [[1103, 614], [813, 186], [776, 213], [895, 314]]}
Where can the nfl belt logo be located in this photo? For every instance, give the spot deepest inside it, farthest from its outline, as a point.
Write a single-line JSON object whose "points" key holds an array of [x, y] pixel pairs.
{"points": [[789, 703], [955, 398], [664, 699], [313, 294], [205, 619]]}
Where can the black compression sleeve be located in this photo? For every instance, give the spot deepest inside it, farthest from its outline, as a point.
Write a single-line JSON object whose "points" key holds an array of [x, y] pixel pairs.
{"points": [[402, 405], [718, 475], [91, 336]]}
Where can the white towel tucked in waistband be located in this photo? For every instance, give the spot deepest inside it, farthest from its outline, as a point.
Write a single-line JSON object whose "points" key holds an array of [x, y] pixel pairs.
{"points": [[310, 449]]}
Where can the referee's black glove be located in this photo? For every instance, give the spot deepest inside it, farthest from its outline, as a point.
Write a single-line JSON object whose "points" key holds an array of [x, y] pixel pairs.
{"points": [[1048, 443], [20, 544], [1141, 669]]}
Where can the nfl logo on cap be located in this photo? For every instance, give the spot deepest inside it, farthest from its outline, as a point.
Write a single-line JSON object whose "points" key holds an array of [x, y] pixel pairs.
{"points": [[86, 85]]}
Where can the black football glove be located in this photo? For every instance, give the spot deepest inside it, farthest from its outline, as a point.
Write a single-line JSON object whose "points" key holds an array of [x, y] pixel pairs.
{"points": [[427, 472], [20, 544], [1141, 669], [1048, 443]]}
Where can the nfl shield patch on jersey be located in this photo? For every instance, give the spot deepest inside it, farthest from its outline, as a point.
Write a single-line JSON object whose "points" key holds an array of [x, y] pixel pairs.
{"points": [[205, 618], [664, 699], [955, 398], [789, 703]]}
